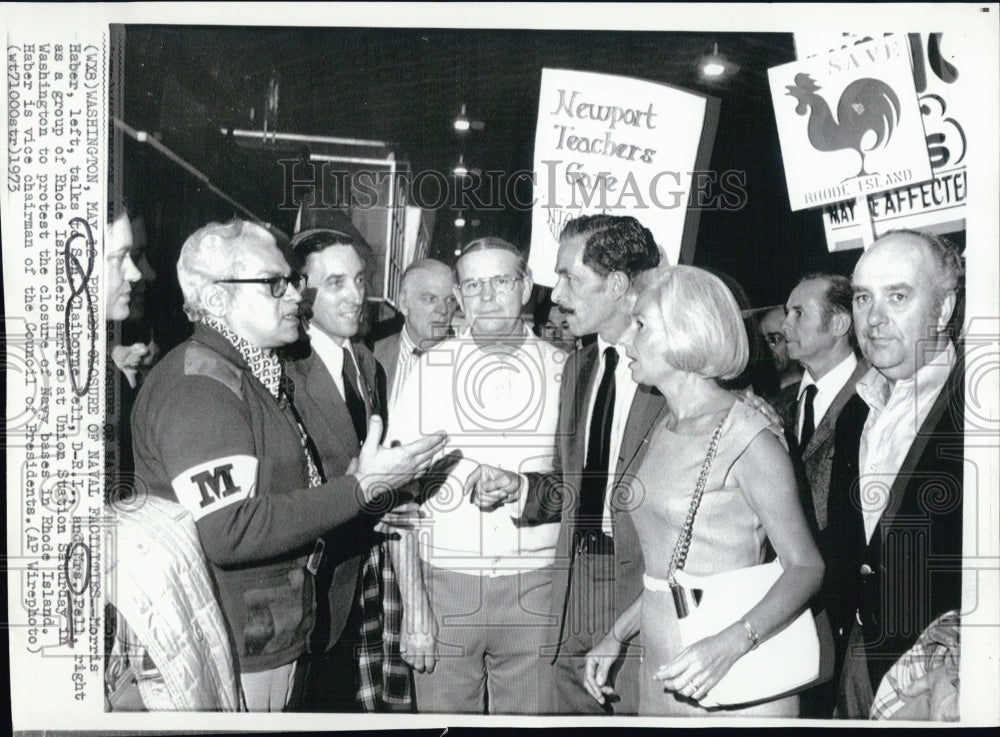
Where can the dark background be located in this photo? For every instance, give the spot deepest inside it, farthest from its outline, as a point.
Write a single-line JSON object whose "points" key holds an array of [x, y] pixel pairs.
{"points": [[184, 84]]}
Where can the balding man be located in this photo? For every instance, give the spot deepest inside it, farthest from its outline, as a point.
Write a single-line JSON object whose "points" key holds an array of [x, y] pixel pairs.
{"points": [[896, 483], [427, 302], [216, 430]]}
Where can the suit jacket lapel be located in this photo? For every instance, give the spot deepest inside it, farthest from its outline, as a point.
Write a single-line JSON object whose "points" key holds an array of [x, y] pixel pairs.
{"points": [[375, 382], [574, 427], [955, 382], [323, 393], [829, 422], [390, 358], [647, 406]]}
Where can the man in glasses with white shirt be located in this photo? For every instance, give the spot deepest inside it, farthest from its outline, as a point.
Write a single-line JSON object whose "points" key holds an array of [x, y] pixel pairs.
{"points": [[477, 615], [215, 429]]}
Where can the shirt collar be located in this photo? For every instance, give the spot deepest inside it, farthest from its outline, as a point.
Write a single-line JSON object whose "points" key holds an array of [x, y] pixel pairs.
{"points": [[406, 343], [832, 380], [262, 362], [329, 350], [512, 345], [622, 368], [875, 389]]}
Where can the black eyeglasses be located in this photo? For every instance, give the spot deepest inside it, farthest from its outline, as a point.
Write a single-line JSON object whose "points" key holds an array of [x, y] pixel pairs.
{"points": [[279, 284]]}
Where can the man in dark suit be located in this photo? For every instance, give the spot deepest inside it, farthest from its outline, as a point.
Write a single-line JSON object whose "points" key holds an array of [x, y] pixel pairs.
{"points": [[896, 481], [427, 303], [819, 333], [604, 420], [339, 387]]}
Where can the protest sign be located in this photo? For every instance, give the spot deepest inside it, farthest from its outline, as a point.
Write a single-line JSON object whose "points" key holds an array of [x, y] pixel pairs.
{"points": [[874, 141], [622, 146]]}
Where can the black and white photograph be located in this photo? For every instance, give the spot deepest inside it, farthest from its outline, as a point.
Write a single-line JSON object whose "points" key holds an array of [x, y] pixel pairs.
{"points": [[433, 365]]}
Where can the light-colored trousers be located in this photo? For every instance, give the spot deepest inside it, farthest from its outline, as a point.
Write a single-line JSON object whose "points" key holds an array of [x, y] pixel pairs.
{"points": [[490, 639]]}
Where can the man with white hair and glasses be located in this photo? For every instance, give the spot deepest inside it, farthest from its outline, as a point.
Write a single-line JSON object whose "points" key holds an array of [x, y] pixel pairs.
{"points": [[215, 429]]}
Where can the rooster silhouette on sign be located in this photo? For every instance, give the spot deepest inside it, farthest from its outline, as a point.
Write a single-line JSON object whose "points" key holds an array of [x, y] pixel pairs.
{"points": [[868, 109]]}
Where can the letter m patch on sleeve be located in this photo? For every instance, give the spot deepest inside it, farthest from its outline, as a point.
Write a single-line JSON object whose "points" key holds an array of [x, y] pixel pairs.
{"points": [[214, 485]]}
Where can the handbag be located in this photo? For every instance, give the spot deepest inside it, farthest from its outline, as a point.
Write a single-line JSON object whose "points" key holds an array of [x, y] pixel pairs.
{"points": [[785, 662]]}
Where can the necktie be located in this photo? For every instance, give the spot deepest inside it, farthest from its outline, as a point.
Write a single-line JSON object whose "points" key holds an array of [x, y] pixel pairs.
{"points": [[808, 416], [355, 401], [595, 472]]}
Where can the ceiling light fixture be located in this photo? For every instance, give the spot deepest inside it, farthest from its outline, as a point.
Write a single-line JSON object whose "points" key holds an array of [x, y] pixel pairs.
{"points": [[715, 66], [460, 169], [462, 123], [460, 221]]}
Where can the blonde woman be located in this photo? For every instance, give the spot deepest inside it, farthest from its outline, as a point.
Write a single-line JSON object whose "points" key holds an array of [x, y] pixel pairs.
{"points": [[686, 335]]}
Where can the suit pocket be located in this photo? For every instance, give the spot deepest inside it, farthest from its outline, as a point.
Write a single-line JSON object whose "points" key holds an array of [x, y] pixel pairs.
{"points": [[275, 612]]}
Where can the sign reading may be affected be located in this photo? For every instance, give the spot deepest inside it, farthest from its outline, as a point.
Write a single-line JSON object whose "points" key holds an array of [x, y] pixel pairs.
{"points": [[616, 145], [849, 123]]}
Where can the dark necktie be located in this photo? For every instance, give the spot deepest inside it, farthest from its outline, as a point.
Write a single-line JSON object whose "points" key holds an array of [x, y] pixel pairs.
{"points": [[595, 472], [808, 416], [355, 401]]}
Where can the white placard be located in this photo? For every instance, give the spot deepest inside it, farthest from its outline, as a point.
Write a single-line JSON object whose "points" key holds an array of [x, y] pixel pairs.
{"points": [[937, 205], [849, 123], [616, 145]]}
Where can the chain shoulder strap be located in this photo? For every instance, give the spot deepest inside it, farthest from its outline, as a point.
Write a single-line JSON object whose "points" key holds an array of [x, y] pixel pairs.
{"points": [[679, 556]]}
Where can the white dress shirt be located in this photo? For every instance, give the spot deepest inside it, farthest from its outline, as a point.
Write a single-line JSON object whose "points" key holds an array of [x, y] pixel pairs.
{"points": [[405, 361], [827, 389], [625, 388], [331, 353], [500, 408], [895, 416]]}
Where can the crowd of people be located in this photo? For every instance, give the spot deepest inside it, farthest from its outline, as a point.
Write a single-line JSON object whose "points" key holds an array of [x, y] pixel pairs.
{"points": [[477, 519]]}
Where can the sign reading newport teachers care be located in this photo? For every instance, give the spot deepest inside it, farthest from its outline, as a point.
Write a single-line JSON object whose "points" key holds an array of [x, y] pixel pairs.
{"points": [[616, 145], [849, 123]]}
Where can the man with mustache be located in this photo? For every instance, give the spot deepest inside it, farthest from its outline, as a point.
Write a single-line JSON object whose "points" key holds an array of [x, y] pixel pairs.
{"points": [[896, 483], [599, 266], [216, 429], [819, 334]]}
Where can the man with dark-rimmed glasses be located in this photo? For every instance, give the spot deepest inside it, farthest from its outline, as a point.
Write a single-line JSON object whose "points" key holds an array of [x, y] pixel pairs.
{"points": [[215, 429]]}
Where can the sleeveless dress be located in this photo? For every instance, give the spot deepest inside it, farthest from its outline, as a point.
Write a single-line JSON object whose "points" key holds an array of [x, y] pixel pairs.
{"points": [[727, 535]]}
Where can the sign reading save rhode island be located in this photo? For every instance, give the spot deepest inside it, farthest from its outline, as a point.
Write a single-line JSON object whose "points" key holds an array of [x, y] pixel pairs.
{"points": [[849, 123], [941, 66]]}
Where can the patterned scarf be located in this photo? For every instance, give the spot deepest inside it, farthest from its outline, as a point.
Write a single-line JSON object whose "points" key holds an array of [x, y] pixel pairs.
{"points": [[267, 369]]}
